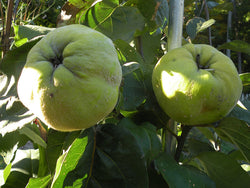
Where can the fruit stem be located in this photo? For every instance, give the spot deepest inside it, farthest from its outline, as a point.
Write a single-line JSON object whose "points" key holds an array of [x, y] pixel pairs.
{"points": [[181, 141]]}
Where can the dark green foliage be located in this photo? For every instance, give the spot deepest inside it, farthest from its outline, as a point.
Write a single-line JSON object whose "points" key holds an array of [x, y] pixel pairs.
{"points": [[127, 148]]}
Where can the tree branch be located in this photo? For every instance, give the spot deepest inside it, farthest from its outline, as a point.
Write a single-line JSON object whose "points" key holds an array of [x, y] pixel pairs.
{"points": [[181, 141], [176, 11], [7, 30]]}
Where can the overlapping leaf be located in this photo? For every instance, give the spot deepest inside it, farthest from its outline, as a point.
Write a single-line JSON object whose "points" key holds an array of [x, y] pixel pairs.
{"points": [[13, 115], [109, 18], [156, 14], [80, 150], [25, 33], [197, 25], [224, 170], [146, 137], [242, 113], [57, 142], [96, 158], [41, 182], [23, 167], [237, 132], [181, 176], [133, 83], [236, 45]]}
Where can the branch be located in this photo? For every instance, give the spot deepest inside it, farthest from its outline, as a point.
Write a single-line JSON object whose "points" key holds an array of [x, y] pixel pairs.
{"points": [[181, 141], [175, 26], [207, 18], [176, 11], [6, 34]]}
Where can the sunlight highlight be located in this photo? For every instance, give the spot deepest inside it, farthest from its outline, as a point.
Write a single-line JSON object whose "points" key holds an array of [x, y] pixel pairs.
{"points": [[168, 82]]}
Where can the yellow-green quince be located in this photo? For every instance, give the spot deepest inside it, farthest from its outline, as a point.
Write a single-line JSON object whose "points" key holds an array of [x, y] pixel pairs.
{"points": [[71, 78], [196, 84]]}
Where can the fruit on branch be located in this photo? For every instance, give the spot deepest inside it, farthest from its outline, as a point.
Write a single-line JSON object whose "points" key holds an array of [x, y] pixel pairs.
{"points": [[196, 84], [71, 78]]}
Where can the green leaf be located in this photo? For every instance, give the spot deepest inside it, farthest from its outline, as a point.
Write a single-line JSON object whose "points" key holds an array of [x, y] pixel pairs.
{"points": [[242, 113], [207, 132], [21, 42], [145, 136], [4, 174], [133, 89], [193, 25], [178, 176], [25, 33], [225, 171], [196, 25], [122, 148], [227, 6], [236, 45], [237, 132], [128, 52], [156, 13], [41, 182], [57, 142], [151, 49], [69, 160], [24, 166], [9, 144], [196, 146], [13, 115], [206, 25], [245, 78], [36, 138], [116, 22], [128, 68], [80, 3], [108, 157], [11, 66]]}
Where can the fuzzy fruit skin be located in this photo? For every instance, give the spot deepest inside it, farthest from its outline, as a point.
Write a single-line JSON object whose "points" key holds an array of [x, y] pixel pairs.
{"points": [[80, 91], [194, 96]]}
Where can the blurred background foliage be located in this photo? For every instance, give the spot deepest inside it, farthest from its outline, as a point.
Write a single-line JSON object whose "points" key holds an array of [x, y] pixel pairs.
{"points": [[46, 13]]}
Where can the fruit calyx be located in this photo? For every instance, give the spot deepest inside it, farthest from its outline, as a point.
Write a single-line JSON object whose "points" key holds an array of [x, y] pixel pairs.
{"points": [[56, 61], [197, 60], [199, 66]]}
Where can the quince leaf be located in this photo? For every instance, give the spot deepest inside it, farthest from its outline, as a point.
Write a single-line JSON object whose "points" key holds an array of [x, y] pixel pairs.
{"points": [[237, 132], [215, 163]]}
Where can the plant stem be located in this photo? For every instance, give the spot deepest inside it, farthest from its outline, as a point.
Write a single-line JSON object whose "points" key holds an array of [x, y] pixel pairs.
{"points": [[170, 137], [7, 29], [138, 46], [207, 18], [181, 141], [176, 10], [175, 26]]}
